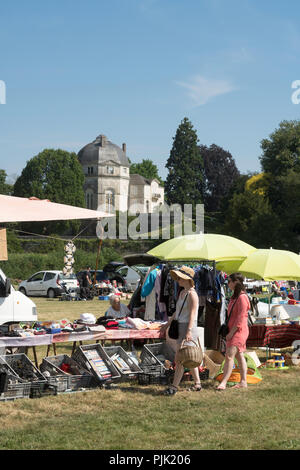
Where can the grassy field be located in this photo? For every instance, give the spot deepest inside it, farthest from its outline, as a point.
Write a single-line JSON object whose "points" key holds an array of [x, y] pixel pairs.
{"points": [[131, 416]]}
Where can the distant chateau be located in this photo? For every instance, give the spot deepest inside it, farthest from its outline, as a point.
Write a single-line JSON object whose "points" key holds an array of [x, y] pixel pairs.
{"points": [[109, 184]]}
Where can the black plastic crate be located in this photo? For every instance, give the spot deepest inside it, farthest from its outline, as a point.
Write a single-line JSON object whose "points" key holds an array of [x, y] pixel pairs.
{"points": [[39, 390], [157, 369], [156, 354], [128, 369], [78, 378], [25, 370], [204, 375], [11, 387], [154, 378], [60, 382], [95, 360]]}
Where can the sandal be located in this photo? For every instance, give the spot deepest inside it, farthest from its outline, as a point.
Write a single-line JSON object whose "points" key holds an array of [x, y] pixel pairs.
{"points": [[239, 386], [195, 388], [170, 390]]}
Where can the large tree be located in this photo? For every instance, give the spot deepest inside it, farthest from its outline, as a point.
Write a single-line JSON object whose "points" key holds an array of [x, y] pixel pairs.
{"points": [[146, 168], [56, 175], [184, 183], [220, 173], [281, 152], [249, 217], [5, 188]]}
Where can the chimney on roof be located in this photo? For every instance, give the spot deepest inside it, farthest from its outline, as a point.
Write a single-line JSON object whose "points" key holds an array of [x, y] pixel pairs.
{"points": [[103, 140], [124, 148]]}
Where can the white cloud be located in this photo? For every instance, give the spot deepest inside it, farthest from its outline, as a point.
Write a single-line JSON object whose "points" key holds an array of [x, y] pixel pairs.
{"points": [[200, 89]]}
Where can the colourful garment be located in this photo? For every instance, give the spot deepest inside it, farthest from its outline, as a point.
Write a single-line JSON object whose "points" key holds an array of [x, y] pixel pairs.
{"points": [[239, 319]]}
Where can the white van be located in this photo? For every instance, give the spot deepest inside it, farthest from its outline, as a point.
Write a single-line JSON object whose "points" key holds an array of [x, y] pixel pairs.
{"points": [[15, 307]]}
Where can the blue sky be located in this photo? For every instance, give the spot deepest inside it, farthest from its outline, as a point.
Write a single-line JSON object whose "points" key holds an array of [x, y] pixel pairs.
{"points": [[133, 69]]}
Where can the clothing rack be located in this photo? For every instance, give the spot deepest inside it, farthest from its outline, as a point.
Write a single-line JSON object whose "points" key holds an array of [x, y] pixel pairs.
{"points": [[188, 262]]}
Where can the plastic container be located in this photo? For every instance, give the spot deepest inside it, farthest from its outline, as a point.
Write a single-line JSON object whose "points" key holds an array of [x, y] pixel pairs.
{"points": [[77, 377], [95, 360], [156, 354], [52, 331], [126, 366], [11, 388], [26, 372], [156, 377]]}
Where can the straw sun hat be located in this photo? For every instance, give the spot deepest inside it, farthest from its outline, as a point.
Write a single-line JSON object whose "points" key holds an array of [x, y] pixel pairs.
{"points": [[184, 272]]}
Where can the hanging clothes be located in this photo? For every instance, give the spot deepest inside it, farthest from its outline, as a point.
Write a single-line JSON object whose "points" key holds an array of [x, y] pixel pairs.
{"points": [[148, 292], [168, 290], [212, 339], [161, 308], [205, 283]]}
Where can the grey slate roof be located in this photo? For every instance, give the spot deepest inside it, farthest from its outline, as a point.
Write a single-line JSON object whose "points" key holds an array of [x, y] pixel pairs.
{"points": [[95, 153], [138, 179]]}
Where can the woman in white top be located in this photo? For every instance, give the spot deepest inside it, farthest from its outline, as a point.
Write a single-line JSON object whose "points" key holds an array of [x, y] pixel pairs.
{"points": [[187, 321], [117, 310]]}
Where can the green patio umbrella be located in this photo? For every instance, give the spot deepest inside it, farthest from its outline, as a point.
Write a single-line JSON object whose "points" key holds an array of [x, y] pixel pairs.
{"points": [[270, 265], [203, 246], [267, 264]]}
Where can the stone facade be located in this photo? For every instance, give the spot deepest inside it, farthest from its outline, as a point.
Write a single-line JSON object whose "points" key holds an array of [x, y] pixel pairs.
{"points": [[108, 182]]}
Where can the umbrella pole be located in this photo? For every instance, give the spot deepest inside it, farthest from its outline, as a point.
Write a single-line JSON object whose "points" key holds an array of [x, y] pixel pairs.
{"points": [[269, 298]]}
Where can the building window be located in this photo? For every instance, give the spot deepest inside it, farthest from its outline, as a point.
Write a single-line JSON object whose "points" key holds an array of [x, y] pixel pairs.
{"points": [[109, 200], [90, 170], [89, 200], [110, 170]]}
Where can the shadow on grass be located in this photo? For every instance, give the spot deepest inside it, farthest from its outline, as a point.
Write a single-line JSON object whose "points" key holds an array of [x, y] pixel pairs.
{"points": [[153, 390]]}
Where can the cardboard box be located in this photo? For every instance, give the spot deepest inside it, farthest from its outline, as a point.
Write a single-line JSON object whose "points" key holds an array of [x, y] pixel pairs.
{"points": [[213, 361], [3, 245]]}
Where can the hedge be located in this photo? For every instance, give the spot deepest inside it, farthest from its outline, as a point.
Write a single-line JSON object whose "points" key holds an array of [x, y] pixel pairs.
{"points": [[23, 265]]}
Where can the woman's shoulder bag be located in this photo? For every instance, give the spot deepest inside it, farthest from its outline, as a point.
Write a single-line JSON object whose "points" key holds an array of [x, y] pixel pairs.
{"points": [[174, 326]]}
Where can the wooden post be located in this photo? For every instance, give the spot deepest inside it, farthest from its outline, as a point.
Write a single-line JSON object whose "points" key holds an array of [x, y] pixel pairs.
{"points": [[97, 259], [3, 245]]}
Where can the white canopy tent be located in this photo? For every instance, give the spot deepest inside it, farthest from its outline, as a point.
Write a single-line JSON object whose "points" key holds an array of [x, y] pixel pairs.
{"points": [[19, 209]]}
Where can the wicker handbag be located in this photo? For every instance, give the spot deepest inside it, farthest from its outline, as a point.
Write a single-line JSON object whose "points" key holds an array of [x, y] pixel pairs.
{"points": [[190, 356]]}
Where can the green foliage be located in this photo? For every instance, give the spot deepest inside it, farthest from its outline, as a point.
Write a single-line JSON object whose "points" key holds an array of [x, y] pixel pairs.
{"points": [[220, 173], [184, 183], [281, 152], [4, 187], [13, 242], [55, 175], [250, 218], [147, 169], [284, 196], [23, 265]]}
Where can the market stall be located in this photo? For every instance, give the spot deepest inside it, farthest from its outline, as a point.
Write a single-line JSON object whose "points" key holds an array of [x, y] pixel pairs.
{"points": [[99, 334], [276, 336]]}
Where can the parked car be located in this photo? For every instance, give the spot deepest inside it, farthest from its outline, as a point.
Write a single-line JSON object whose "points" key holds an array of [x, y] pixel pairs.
{"points": [[105, 276], [47, 283], [132, 276], [112, 266]]}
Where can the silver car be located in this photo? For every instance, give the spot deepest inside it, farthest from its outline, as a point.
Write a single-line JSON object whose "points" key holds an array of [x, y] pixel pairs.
{"points": [[48, 284], [131, 276]]}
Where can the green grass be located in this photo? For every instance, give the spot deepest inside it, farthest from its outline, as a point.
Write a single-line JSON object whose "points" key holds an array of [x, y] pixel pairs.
{"points": [[130, 416]]}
